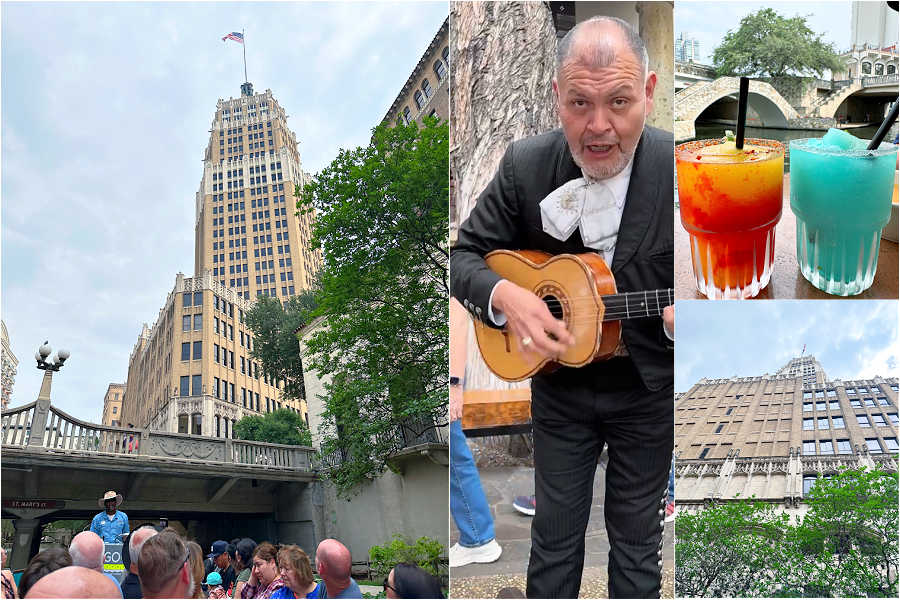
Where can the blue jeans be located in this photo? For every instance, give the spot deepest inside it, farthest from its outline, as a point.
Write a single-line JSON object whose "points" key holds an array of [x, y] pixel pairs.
{"points": [[468, 504]]}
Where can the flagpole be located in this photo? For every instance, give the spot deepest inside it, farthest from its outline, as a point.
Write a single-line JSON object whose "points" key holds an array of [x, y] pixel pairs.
{"points": [[245, 54]]}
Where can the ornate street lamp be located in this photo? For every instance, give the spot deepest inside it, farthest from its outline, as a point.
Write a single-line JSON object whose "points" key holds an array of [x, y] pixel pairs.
{"points": [[53, 364]]}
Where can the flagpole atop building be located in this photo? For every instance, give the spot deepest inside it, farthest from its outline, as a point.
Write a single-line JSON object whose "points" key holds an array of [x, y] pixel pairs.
{"points": [[245, 54]]}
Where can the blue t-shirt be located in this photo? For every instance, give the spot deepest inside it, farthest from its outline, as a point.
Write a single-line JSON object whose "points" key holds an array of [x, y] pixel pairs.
{"points": [[287, 592], [111, 529], [352, 591]]}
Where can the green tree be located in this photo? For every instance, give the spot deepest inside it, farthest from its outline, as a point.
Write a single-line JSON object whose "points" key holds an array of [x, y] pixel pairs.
{"points": [[274, 341], [768, 44], [381, 223], [282, 426]]}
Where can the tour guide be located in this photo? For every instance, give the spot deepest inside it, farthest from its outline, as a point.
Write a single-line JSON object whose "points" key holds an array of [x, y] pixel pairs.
{"points": [[111, 525]]}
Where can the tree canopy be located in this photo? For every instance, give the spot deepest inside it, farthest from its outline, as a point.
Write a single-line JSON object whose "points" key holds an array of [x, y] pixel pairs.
{"points": [[768, 44], [274, 342], [844, 546], [282, 426], [381, 223]]}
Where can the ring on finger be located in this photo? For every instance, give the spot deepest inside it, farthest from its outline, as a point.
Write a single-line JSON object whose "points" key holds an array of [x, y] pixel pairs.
{"points": [[526, 340]]}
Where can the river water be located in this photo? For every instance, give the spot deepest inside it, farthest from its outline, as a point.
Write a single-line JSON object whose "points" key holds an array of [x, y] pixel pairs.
{"points": [[706, 131]]}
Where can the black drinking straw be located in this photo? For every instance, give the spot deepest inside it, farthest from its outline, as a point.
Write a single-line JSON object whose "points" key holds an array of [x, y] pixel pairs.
{"points": [[742, 112], [885, 126]]}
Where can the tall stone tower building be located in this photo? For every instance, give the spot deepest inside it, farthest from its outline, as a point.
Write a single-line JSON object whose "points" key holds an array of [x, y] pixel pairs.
{"points": [[772, 436], [247, 231], [192, 370]]}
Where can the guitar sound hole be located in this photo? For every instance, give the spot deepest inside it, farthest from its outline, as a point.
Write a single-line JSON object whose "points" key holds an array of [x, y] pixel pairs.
{"points": [[556, 310]]}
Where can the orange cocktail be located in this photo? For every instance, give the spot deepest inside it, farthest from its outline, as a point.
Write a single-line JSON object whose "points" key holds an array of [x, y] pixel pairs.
{"points": [[730, 203]]}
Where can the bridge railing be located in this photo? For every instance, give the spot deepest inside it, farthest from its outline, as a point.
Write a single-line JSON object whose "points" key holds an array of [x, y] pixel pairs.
{"points": [[16, 425], [880, 80], [63, 432]]}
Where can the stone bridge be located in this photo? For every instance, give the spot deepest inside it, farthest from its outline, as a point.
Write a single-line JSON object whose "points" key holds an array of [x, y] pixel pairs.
{"points": [[877, 85], [56, 467], [772, 109]]}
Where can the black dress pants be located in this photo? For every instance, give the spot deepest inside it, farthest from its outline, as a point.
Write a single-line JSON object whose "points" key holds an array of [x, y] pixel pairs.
{"points": [[573, 415]]}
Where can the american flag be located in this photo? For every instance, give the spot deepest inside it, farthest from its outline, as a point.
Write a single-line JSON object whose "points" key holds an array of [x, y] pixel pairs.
{"points": [[236, 36]]}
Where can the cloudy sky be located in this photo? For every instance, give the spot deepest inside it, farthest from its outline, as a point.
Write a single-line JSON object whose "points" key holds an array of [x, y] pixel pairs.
{"points": [[106, 110], [710, 21], [852, 339]]}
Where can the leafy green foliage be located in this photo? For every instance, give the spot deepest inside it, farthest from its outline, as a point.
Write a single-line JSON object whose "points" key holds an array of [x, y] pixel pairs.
{"points": [[425, 552], [381, 223], [844, 546], [768, 44], [282, 426], [274, 342]]}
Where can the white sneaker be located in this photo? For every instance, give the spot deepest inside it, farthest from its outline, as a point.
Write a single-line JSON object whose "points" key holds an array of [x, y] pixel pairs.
{"points": [[486, 553]]}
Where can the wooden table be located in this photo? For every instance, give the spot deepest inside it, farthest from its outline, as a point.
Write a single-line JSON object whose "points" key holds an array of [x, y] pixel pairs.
{"points": [[787, 281]]}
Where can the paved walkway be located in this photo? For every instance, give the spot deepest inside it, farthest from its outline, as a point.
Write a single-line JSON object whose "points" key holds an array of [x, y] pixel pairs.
{"points": [[513, 531]]}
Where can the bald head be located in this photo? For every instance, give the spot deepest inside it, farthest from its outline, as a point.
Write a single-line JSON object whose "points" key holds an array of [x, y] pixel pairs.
{"points": [[136, 542], [597, 42], [333, 560], [87, 551], [74, 582]]}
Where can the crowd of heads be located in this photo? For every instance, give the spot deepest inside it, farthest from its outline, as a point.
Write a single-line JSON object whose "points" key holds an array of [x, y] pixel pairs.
{"points": [[168, 566]]}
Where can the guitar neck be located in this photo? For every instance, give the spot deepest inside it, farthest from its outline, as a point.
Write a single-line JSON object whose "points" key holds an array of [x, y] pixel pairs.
{"points": [[636, 305]]}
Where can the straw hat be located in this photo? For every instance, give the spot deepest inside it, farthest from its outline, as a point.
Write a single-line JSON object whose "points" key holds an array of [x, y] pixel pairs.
{"points": [[111, 495]]}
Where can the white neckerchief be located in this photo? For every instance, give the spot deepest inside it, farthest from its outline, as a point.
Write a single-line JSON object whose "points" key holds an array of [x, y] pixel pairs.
{"points": [[594, 207]]}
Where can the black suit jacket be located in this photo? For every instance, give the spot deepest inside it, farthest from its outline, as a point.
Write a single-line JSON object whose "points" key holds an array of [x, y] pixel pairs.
{"points": [[507, 215]]}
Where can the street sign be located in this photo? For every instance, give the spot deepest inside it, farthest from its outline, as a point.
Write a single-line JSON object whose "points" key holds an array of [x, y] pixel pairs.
{"points": [[19, 504]]}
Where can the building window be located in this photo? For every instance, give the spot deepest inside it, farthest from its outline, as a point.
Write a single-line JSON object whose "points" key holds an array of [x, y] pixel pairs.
{"points": [[820, 406], [837, 422], [704, 452], [115, 409], [879, 420], [823, 422], [869, 401], [196, 385], [215, 387], [873, 445], [807, 406], [182, 423], [186, 323], [198, 321], [867, 68], [863, 421], [198, 350], [719, 428], [439, 69], [892, 417], [426, 87], [884, 402], [729, 411], [218, 430], [445, 54], [825, 447], [420, 100], [186, 351], [879, 69], [808, 482], [891, 444], [809, 448], [197, 425], [198, 298], [855, 403], [833, 405], [808, 424], [891, 69], [844, 447], [187, 300], [406, 115], [183, 387]]}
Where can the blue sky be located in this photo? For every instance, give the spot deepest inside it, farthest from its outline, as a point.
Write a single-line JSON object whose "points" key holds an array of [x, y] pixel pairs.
{"points": [[106, 109], [851, 338], [710, 21]]}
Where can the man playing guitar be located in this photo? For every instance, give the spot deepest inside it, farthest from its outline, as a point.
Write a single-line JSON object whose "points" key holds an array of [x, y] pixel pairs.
{"points": [[603, 184]]}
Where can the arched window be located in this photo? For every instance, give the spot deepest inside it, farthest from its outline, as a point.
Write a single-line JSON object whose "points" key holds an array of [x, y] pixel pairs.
{"points": [[879, 69], [891, 69], [218, 427], [197, 424], [426, 87], [445, 54], [439, 69], [182, 423], [420, 100], [406, 115], [867, 68]]}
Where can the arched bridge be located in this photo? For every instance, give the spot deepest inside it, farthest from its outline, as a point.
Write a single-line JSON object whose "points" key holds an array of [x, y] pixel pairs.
{"points": [[56, 466], [772, 109]]}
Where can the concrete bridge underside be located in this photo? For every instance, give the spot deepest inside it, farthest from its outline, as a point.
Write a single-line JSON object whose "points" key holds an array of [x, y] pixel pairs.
{"points": [[238, 500]]}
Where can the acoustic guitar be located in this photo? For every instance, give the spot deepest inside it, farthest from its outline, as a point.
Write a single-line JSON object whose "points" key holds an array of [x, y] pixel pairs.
{"points": [[580, 290]]}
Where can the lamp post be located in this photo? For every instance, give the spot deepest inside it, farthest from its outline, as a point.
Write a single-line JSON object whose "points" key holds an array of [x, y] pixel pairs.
{"points": [[49, 366]]}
